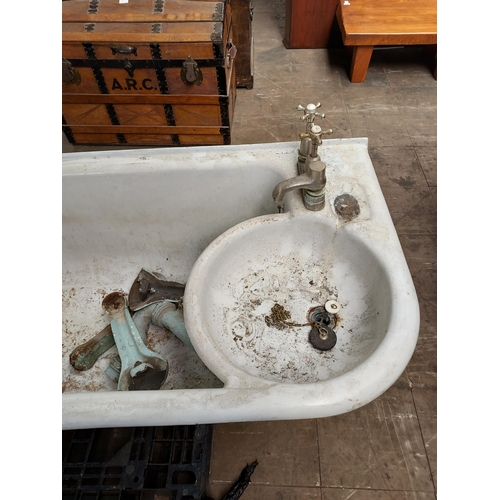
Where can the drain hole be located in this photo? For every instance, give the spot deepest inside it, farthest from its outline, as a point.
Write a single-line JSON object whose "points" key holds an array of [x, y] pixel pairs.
{"points": [[319, 315]]}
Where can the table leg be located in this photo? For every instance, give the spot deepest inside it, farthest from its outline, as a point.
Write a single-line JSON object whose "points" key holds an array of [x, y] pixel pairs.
{"points": [[361, 56]]}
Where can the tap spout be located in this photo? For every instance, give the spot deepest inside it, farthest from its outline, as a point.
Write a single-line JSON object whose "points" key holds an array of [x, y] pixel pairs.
{"points": [[314, 179]]}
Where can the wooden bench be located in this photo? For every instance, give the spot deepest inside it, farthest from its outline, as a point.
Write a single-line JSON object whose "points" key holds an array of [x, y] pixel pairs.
{"points": [[367, 23]]}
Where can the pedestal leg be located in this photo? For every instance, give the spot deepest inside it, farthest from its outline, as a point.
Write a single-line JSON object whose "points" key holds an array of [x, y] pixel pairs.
{"points": [[360, 60]]}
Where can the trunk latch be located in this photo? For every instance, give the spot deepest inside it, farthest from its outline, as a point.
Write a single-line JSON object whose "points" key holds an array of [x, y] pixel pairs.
{"points": [[190, 73]]}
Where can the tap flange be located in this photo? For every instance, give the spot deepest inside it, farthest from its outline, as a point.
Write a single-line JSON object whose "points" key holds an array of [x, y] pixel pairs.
{"points": [[347, 207]]}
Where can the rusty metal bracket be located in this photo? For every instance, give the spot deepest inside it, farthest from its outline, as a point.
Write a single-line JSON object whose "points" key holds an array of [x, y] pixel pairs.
{"points": [[159, 5], [216, 35], [218, 14], [231, 53], [93, 7], [148, 288], [69, 74]]}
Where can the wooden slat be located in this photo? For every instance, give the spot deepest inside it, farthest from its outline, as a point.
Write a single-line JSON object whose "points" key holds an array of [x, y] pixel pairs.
{"points": [[145, 130], [139, 99], [89, 138], [206, 28], [135, 17], [140, 11], [141, 32], [136, 37]]}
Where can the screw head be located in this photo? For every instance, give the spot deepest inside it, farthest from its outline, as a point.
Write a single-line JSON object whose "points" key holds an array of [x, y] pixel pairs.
{"points": [[332, 306]]}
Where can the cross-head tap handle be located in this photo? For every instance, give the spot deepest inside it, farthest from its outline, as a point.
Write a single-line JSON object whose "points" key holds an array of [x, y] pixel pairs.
{"points": [[310, 113], [316, 134]]}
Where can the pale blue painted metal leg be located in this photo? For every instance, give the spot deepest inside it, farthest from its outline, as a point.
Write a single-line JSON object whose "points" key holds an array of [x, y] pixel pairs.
{"points": [[141, 368]]}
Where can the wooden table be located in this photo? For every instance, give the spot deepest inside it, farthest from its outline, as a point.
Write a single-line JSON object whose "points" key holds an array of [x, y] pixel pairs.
{"points": [[366, 23]]}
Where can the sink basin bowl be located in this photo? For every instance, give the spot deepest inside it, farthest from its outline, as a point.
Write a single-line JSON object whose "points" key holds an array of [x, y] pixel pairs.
{"points": [[299, 263], [204, 216]]}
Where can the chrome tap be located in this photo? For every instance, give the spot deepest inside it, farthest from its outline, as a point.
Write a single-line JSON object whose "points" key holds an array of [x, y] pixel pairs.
{"points": [[312, 181], [309, 115]]}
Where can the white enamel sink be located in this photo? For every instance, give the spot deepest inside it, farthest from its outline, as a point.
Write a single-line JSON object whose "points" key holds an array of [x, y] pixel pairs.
{"points": [[205, 216]]}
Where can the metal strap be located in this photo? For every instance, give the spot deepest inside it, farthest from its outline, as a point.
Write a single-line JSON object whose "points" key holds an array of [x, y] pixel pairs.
{"points": [[93, 7], [112, 114], [218, 15], [221, 80], [226, 135], [160, 74], [157, 62], [224, 111], [159, 4], [67, 131], [101, 82]]}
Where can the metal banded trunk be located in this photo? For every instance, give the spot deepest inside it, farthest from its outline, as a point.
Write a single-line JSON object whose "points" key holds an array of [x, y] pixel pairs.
{"points": [[147, 72]]}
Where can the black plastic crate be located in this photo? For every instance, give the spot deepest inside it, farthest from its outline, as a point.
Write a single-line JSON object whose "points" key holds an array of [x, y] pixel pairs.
{"points": [[136, 463]]}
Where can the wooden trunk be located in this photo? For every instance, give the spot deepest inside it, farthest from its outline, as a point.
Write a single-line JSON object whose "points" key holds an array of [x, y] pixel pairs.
{"points": [[147, 72]]}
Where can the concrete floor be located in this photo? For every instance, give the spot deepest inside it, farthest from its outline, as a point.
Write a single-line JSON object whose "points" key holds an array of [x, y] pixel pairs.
{"points": [[387, 449]]}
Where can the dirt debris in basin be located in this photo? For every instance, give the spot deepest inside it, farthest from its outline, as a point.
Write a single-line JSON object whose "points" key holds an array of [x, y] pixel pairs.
{"points": [[266, 313], [279, 318], [72, 385]]}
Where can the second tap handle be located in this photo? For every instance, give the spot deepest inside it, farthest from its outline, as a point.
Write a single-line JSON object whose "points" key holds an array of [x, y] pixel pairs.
{"points": [[316, 134]]}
